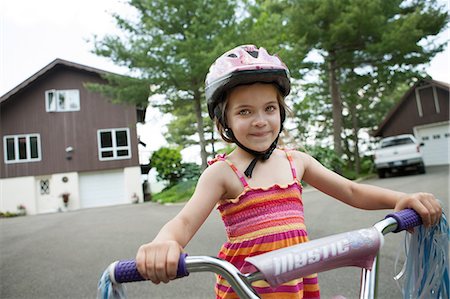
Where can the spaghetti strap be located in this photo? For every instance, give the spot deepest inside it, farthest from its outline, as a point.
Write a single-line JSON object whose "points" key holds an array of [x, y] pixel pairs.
{"points": [[240, 176], [238, 173], [291, 163]]}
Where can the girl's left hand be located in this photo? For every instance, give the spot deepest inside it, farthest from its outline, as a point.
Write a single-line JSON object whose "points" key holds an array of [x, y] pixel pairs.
{"points": [[425, 204]]}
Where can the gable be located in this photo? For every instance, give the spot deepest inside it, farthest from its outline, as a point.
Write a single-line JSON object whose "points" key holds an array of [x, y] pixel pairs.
{"points": [[24, 113], [427, 102]]}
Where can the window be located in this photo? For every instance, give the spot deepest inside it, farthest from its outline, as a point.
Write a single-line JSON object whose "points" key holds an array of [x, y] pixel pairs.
{"points": [[114, 144], [45, 187], [62, 100], [22, 148], [395, 142]]}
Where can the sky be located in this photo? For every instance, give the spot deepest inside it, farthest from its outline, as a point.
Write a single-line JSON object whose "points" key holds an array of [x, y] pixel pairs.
{"points": [[34, 33]]}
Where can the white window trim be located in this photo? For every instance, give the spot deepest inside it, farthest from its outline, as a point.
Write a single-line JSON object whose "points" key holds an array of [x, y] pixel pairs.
{"points": [[436, 100], [47, 105], [57, 109], [419, 102], [114, 147], [16, 148]]}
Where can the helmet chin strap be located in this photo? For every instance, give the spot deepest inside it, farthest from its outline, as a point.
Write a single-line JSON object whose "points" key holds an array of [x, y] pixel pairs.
{"points": [[258, 155]]}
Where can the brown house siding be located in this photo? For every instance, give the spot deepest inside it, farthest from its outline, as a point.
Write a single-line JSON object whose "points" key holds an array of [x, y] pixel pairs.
{"points": [[407, 114], [24, 113]]}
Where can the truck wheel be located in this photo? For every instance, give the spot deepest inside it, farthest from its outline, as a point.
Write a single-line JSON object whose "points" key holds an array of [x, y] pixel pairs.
{"points": [[381, 173], [421, 169]]}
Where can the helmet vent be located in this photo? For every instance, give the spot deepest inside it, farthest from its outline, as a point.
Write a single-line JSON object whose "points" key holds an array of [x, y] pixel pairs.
{"points": [[253, 53]]}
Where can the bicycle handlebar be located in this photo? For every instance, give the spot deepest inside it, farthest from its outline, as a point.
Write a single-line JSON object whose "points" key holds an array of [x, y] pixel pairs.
{"points": [[405, 219], [126, 271]]}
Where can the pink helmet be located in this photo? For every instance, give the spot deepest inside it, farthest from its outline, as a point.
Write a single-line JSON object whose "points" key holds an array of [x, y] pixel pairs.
{"points": [[243, 65]]}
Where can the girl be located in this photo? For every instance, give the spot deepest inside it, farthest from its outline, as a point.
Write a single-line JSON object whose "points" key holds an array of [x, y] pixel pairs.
{"points": [[257, 187]]}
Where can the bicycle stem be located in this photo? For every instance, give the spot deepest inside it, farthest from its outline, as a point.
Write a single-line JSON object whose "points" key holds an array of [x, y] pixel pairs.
{"points": [[368, 277]]}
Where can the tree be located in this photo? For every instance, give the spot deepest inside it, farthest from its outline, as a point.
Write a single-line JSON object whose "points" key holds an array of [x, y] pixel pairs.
{"points": [[170, 47], [167, 162], [375, 39], [182, 128]]}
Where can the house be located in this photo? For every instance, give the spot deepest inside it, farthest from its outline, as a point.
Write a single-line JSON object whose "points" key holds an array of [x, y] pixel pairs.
{"points": [[424, 112], [60, 140]]}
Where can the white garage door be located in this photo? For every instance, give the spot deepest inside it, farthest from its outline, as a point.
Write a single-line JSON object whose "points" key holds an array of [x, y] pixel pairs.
{"points": [[436, 141], [103, 188]]}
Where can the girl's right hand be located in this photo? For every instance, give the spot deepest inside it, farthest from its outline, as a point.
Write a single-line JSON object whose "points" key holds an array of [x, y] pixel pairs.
{"points": [[158, 260]]}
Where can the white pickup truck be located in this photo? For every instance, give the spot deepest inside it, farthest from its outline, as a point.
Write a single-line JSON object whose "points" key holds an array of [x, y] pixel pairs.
{"points": [[396, 153]]}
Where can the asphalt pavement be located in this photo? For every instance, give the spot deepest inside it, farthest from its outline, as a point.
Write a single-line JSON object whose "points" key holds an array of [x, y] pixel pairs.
{"points": [[62, 255]]}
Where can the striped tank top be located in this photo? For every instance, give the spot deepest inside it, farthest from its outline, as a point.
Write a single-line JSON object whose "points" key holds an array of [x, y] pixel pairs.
{"points": [[260, 220]]}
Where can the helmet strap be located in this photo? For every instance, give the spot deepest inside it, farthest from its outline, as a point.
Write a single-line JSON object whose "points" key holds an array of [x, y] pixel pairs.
{"points": [[258, 155]]}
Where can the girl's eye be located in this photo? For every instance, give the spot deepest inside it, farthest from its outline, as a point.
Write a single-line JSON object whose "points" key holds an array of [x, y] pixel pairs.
{"points": [[244, 112], [271, 108]]}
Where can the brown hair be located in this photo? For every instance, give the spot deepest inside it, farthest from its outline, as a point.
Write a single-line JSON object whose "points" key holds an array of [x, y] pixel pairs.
{"points": [[222, 107]]}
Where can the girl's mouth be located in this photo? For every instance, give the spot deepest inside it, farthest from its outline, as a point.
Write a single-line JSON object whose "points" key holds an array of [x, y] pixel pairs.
{"points": [[260, 134]]}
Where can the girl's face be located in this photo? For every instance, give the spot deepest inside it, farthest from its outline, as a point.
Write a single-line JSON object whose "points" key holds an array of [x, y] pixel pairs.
{"points": [[253, 114]]}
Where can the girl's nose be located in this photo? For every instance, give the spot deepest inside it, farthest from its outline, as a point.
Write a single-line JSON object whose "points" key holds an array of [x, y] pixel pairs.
{"points": [[259, 120]]}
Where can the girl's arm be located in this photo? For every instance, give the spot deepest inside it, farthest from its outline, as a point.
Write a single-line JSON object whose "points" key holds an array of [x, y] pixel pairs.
{"points": [[157, 260], [367, 197]]}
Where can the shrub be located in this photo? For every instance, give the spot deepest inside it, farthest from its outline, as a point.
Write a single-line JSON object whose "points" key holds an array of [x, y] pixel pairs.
{"points": [[190, 171], [326, 156], [167, 162]]}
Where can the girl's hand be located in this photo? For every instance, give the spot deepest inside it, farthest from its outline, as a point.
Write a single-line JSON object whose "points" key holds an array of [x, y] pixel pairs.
{"points": [[158, 260], [425, 204]]}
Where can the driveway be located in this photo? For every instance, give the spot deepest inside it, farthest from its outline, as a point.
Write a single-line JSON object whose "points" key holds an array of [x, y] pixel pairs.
{"points": [[62, 255]]}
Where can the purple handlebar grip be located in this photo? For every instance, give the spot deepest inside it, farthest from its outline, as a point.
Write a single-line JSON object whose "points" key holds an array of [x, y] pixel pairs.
{"points": [[126, 271], [407, 218], [182, 270]]}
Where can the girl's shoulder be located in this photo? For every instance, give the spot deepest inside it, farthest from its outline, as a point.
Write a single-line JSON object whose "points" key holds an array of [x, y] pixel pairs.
{"points": [[218, 166], [296, 154], [300, 159], [217, 158], [219, 176]]}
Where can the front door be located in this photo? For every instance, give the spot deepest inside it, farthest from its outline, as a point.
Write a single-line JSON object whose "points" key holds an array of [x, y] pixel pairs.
{"points": [[47, 200]]}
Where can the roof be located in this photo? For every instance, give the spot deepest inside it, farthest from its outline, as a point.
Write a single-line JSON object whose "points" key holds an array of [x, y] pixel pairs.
{"points": [[46, 69], [394, 110]]}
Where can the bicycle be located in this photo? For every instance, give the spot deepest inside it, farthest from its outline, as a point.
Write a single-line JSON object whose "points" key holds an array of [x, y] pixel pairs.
{"points": [[354, 248]]}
